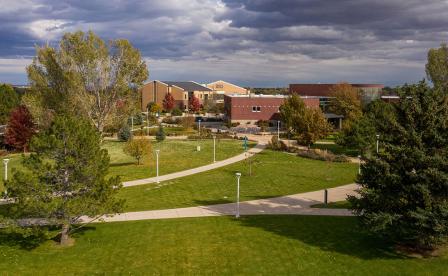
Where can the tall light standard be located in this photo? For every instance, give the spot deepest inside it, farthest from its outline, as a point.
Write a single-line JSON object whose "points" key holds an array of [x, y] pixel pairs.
{"points": [[238, 175], [157, 165], [278, 131], [214, 148], [5, 162], [359, 161], [377, 143]]}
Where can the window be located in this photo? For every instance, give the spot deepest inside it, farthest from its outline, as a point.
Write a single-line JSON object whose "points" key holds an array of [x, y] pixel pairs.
{"points": [[219, 86], [256, 108]]}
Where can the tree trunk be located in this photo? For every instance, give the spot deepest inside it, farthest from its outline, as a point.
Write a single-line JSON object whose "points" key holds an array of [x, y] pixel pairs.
{"points": [[64, 234]]}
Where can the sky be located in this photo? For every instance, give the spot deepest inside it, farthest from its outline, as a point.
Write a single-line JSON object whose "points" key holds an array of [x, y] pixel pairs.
{"points": [[255, 43]]}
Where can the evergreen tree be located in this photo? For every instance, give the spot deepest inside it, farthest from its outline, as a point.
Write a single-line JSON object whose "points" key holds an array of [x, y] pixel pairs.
{"points": [[404, 189], [20, 129], [8, 101], [160, 135], [65, 177]]}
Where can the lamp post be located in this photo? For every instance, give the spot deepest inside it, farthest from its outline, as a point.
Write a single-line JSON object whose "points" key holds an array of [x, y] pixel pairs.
{"points": [[157, 165], [377, 143], [132, 123], [238, 175], [359, 161], [5, 162], [278, 131], [214, 148]]}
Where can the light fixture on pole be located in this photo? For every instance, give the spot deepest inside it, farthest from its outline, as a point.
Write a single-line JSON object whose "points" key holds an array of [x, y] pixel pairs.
{"points": [[377, 143], [238, 175], [5, 162], [214, 148], [359, 161], [157, 165], [278, 131]]}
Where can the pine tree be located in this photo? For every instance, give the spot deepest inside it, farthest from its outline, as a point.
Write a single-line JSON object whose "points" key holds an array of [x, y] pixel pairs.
{"points": [[404, 189], [20, 129], [8, 101], [168, 102], [160, 135], [65, 177]]}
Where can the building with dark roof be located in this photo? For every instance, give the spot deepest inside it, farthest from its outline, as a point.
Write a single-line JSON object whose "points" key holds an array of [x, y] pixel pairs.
{"points": [[181, 91]]}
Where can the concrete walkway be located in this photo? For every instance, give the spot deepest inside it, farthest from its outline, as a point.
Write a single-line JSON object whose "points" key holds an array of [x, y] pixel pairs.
{"points": [[298, 204], [262, 142]]}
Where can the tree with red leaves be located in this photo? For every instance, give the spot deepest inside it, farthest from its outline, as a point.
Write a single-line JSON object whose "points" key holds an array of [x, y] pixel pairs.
{"points": [[168, 102], [20, 128], [194, 104]]}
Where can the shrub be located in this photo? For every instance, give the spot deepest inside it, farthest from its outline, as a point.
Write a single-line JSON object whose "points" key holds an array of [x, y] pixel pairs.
{"points": [[160, 135], [323, 155], [187, 122], [176, 112], [137, 148], [171, 120], [124, 134]]}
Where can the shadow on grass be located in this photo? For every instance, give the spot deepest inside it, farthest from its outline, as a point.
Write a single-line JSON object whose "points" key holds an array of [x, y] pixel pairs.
{"points": [[341, 235], [212, 202], [123, 164]]}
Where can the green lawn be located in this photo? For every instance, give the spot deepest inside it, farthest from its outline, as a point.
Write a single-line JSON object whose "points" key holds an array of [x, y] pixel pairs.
{"points": [[333, 205], [175, 155], [274, 174], [253, 245], [14, 162]]}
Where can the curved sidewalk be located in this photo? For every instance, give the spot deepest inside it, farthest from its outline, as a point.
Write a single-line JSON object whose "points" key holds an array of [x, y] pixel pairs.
{"points": [[298, 204], [261, 145]]}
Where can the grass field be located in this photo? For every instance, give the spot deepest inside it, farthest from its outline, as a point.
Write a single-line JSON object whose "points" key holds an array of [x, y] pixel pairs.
{"points": [[175, 155], [254, 245], [274, 174]]}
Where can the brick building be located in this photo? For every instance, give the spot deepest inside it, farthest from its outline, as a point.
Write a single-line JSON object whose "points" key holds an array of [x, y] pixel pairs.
{"points": [[248, 109]]}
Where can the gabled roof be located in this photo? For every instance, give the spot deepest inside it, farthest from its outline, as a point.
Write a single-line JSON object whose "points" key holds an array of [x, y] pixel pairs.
{"points": [[227, 83], [187, 85]]}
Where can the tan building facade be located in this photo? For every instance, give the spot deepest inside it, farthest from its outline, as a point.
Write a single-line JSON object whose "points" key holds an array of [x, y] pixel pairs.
{"points": [[221, 88]]}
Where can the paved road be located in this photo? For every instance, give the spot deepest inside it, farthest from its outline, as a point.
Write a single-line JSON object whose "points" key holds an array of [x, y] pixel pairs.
{"points": [[298, 204], [261, 144]]}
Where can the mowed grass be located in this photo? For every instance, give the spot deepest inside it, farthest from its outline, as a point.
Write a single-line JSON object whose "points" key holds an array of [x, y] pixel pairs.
{"points": [[273, 174], [175, 155], [252, 245]]}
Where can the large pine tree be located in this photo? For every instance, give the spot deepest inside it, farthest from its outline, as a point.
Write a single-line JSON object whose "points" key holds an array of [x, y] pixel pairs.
{"points": [[65, 177], [404, 188]]}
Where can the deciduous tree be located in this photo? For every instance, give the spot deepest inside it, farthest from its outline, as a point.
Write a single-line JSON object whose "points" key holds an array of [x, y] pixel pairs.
{"points": [[87, 76], [437, 66], [346, 102], [193, 104], [20, 129], [404, 188], [306, 124], [168, 102], [65, 177], [137, 148]]}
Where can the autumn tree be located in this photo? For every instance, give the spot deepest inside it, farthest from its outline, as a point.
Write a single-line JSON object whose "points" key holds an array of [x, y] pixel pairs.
{"points": [[65, 178], [437, 66], [346, 102], [87, 77], [193, 104], [404, 192], [20, 129], [153, 107], [168, 102], [137, 148], [306, 124], [8, 101]]}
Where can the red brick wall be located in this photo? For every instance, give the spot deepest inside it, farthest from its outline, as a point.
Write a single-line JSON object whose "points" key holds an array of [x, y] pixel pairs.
{"points": [[240, 108]]}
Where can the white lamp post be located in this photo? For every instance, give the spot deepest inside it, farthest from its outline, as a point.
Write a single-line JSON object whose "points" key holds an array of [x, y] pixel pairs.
{"points": [[359, 161], [214, 148], [377, 143], [278, 131], [5, 162], [238, 175], [157, 165]]}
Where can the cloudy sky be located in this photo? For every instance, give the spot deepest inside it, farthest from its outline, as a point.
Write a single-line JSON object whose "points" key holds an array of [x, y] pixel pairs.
{"points": [[249, 42]]}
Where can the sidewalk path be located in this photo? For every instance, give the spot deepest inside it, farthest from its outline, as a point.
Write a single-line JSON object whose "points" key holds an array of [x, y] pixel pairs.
{"points": [[261, 144], [298, 204]]}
